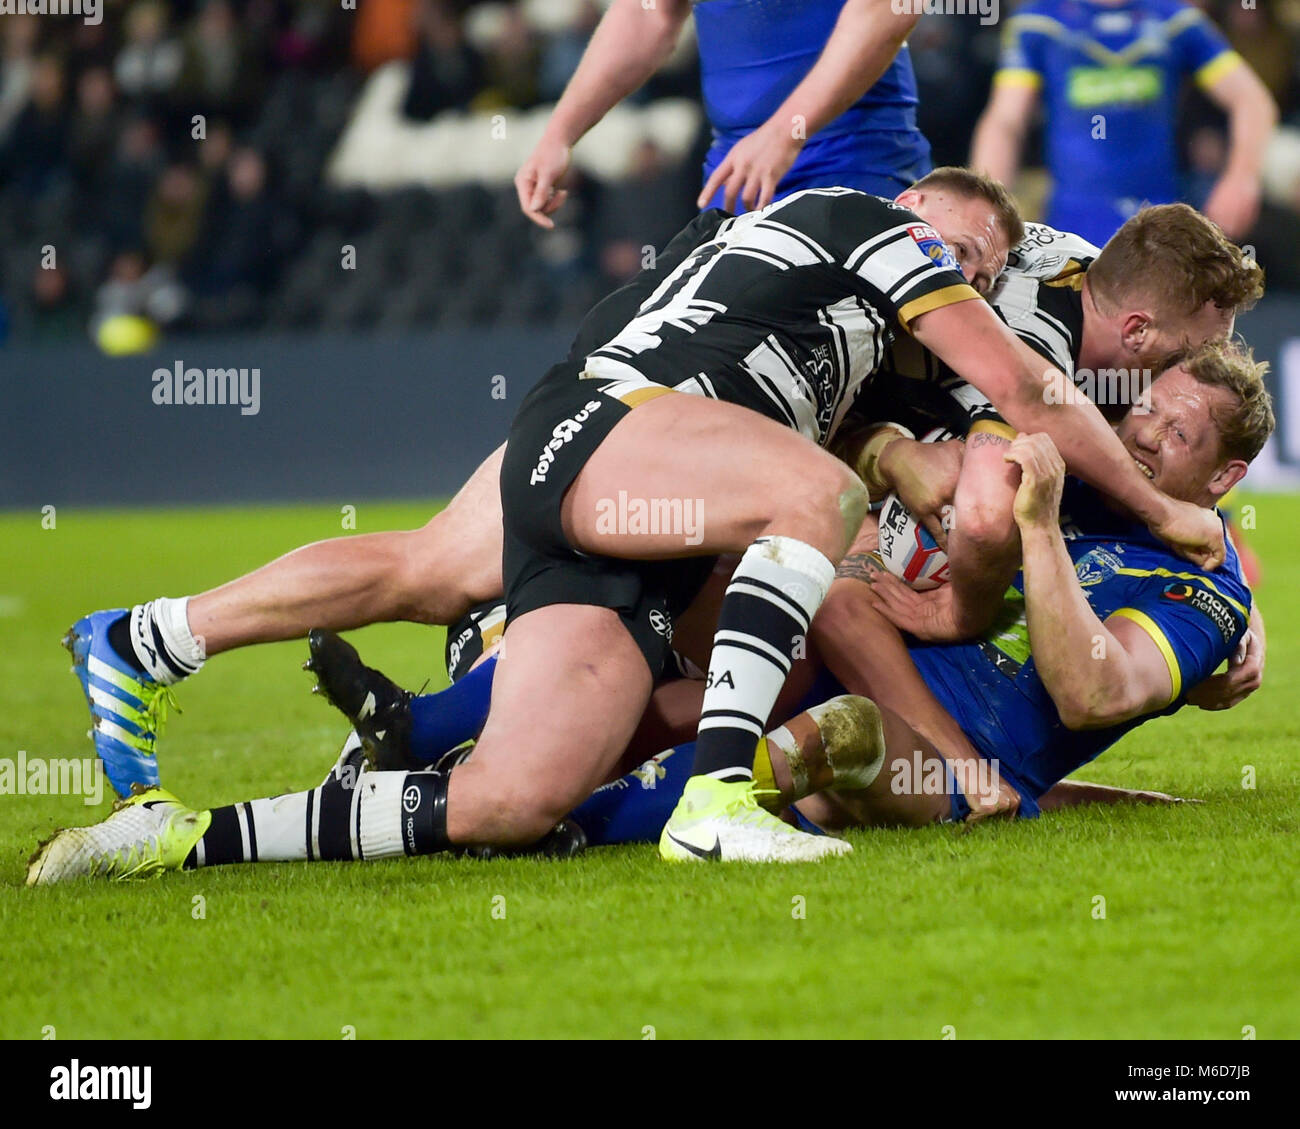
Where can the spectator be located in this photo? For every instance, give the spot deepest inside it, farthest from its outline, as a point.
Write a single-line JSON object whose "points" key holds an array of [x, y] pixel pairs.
{"points": [[247, 236], [56, 315], [174, 216], [219, 75], [95, 125], [129, 184], [17, 63], [447, 72], [38, 139], [149, 62]]}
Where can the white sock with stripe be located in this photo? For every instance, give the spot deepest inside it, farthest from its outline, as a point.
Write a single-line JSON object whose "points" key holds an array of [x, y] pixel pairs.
{"points": [[162, 641], [773, 595]]}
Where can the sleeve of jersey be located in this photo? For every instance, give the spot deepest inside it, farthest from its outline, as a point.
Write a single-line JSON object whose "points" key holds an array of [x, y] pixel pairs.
{"points": [[908, 268], [1021, 63], [1204, 51], [1196, 623]]}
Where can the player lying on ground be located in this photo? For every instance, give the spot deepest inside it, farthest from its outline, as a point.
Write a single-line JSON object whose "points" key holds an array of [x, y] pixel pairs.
{"points": [[1106, 629], [436, 573]]}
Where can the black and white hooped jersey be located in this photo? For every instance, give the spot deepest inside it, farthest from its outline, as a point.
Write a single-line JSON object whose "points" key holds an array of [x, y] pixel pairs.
{"points": [[790, 309]]}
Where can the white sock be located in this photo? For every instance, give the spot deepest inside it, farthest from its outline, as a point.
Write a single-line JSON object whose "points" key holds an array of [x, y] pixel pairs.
{"points": [[162, 640]]}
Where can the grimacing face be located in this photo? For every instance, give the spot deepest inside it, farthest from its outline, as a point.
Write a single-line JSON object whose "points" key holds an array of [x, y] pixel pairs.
{"points": [[1176, 442], [970, 227]]}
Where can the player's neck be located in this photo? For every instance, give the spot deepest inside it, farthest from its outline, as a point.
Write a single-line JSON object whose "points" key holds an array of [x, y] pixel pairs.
{"points": [[1098, 340]]}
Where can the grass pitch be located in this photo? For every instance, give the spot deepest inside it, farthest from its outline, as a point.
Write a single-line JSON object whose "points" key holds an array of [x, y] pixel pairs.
{"points": [[991, 933]]}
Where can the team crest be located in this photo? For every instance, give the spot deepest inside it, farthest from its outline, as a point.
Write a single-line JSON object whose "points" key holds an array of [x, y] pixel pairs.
{"points": [[932, 245], [1094, 567]]}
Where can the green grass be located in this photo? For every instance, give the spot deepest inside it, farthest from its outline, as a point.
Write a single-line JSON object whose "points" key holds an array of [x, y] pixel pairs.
{"points": [[990, 932]]}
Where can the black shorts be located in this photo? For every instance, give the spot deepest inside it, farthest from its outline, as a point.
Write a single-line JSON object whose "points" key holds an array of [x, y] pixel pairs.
{"points": [[479, 628], [558, 427]]}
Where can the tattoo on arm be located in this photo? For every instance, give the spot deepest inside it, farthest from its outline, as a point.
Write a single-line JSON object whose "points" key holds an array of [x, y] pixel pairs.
{"points": [[860, 566], [985, 438]]}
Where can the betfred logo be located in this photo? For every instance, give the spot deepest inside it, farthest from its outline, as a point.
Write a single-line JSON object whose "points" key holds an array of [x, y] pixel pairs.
{"points": [[932, 245]]}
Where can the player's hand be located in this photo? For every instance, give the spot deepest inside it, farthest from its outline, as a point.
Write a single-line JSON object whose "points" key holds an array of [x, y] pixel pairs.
{"points": [[1234, 205], [1042, 476], [1245, 675], [1137, 797], [1193, 532], [536, 181], [925, 477], [929, 616], [1001, 801], [754, 167]]}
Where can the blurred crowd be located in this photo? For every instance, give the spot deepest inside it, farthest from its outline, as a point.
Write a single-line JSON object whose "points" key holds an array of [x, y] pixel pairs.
{"points": [[167, 163]]}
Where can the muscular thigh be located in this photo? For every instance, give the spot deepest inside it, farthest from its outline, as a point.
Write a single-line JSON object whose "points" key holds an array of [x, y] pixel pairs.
{"points": [[569, 690]]}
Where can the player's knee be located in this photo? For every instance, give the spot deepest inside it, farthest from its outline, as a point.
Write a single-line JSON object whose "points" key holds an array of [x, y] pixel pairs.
{"points": [[826, 501]]}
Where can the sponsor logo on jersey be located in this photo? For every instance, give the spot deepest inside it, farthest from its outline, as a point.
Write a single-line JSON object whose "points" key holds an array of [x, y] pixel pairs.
{"points": [[661, 623], [1213, 606], [563, 431], [932, 245]]}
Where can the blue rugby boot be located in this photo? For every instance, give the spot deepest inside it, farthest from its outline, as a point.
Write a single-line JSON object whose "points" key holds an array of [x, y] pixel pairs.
{"points": [[128, 707]]}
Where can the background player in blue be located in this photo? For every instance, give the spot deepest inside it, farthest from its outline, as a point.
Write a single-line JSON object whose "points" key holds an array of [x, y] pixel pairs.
{"points": [[1110, 75], [800, 94]]}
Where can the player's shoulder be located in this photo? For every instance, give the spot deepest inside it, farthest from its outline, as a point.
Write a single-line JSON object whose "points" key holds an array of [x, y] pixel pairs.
{"points": [[1184, 583], [1050, 255]]}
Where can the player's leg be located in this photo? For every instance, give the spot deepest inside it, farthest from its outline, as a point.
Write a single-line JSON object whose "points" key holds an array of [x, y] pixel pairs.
{"points": [[427, 575], [757, 488], [125, 659]]}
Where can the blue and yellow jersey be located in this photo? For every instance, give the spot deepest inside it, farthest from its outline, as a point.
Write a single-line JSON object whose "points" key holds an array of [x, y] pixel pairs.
{"points": [[992, 687], [753, 53], [1110, 77]]}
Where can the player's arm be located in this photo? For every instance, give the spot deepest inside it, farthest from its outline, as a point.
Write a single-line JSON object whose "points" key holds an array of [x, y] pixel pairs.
{"points": [[629, 44], [865, 652], [1000, 132], [1252, 117], [1098, 674], [1035, 397], [863, 43], [1071, 793]]}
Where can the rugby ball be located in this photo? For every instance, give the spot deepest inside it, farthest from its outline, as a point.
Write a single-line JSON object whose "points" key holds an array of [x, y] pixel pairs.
{"points": [[907, 548]]}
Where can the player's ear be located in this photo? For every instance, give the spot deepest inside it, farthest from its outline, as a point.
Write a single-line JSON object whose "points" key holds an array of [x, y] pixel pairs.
{"points": [[1136, 330], [1227, 476], [909, 198]]}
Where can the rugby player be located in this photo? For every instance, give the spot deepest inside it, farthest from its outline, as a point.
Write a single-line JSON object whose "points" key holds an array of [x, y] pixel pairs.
{"points": [[800, 94], [431, 575], [1037, 697], [1110, 74]]}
